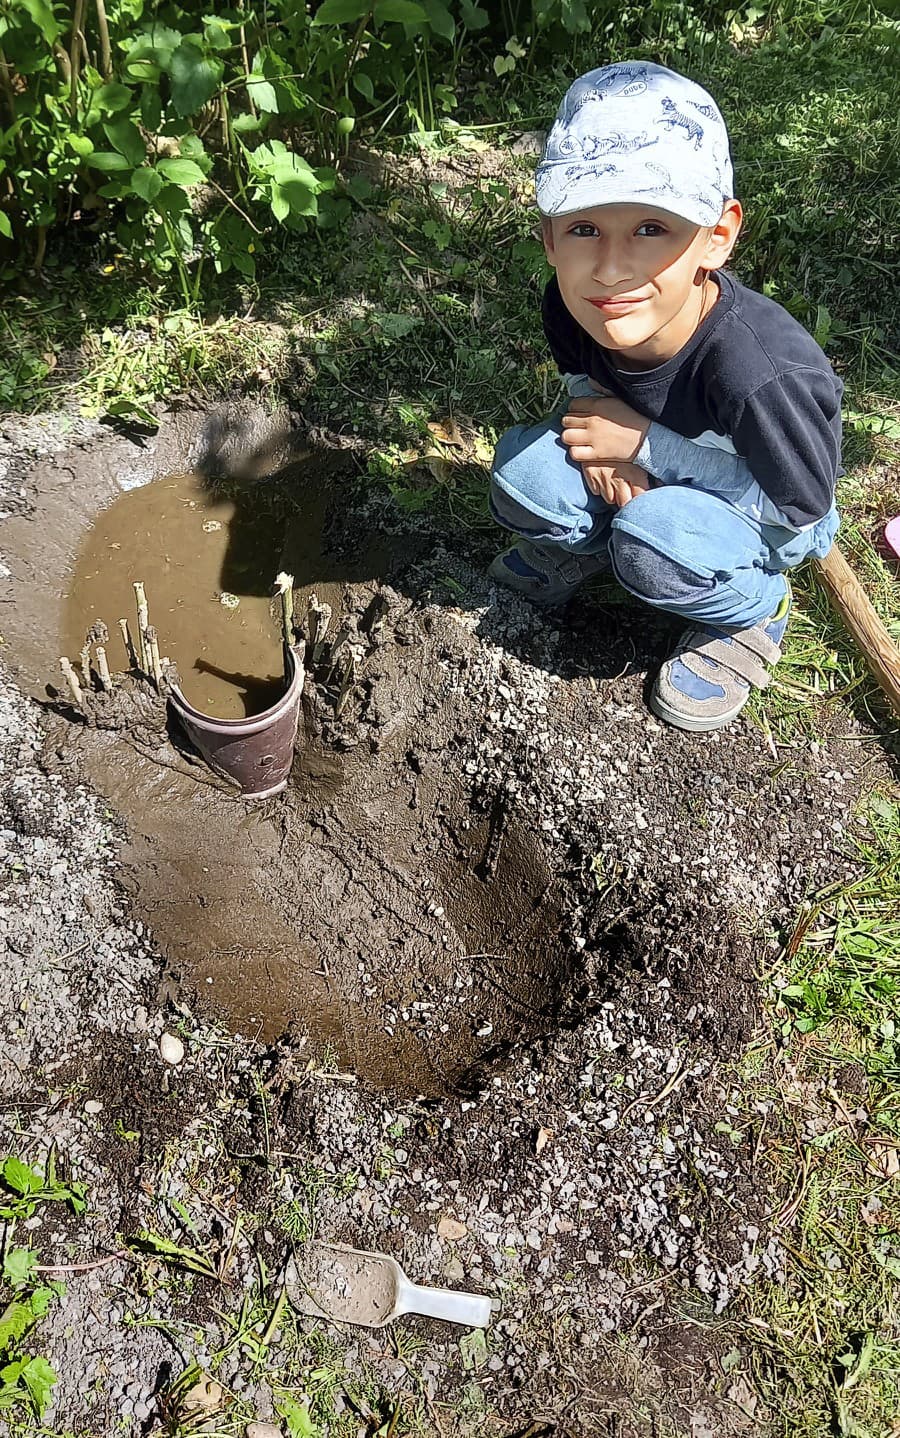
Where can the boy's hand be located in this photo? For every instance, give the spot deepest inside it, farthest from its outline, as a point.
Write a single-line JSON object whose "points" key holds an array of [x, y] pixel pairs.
{"points": [[616, 483], [598, 430]]}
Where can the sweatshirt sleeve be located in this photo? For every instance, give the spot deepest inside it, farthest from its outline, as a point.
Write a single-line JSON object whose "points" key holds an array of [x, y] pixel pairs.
{"points": [[789, 432]]}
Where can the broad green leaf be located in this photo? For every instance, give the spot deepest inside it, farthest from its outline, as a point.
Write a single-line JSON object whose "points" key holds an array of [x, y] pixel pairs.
{"points": [[18, 1265], [473, 16], [125, 137], [299, 1423], [146, 183], [340, 12], [215, 33], [5, 226], [264, 96], [180, 171], [154, 46], [439, 18], [81, 145], [112, 97], [191, 147], [151, 108], [19, 1177], [363, 83], [15, 1322], [406, 12], [39, 1378], [281, 205], [171, 201], [107, 160], [246, 124], [195, 78], [43, 17]]}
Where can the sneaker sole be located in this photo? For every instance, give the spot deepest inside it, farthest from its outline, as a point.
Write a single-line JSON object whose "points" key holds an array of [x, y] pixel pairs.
{"points": [[689, 724]]}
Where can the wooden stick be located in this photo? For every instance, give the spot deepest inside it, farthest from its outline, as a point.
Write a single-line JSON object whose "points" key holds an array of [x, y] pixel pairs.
{"points": [[71, 679], [103, 670], [129, 644], [153, 654], [143, 616], [855, 608]]}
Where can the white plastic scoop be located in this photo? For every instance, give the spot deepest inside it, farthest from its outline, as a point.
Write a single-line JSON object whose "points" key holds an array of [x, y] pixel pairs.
{"points": [[348, 1285]]}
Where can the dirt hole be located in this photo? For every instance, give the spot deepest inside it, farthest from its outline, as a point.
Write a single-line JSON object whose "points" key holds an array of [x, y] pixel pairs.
{"points": [[389, 906]]}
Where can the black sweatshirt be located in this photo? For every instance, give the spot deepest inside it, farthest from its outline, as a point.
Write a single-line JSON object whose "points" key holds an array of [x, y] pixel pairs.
{"points": [[749, 372]]}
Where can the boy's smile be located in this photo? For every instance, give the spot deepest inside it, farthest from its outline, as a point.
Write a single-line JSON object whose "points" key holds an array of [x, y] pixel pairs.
{"points": [[635, 277]]}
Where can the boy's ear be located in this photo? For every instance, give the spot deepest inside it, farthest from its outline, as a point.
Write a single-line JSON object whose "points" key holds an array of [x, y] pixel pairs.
{"points": [[723, 236], [547, 237]]}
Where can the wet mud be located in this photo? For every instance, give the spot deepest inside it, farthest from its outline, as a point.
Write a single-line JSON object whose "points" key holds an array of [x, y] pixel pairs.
{"points": [[372, 908]]}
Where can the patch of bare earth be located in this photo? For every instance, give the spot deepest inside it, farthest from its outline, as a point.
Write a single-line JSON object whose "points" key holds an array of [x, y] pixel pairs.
{"points": [[470, 992]]}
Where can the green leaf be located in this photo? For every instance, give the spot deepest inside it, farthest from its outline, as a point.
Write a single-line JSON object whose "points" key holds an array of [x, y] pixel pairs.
{"points": [[153, 48], [264, 95], [281, 205], [19, 1177], [125, 137], [363, 83], [43, 17], [180, 171], [15, 1322], [195, 78], [171, 201], [107, 160], [151, 109], [406, 12], [81, 145], [5, 226], [439, 18], [146, 183], [112, 97], [472, 16], [39, 1378], [340, 12], [246, 124], [18, 1265], [299, 1423]]}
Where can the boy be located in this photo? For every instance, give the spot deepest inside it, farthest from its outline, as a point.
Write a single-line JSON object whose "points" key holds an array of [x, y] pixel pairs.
{"points": [[698, 453]]}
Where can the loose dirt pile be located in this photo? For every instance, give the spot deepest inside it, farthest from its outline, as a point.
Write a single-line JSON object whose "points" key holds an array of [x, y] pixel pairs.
{"points": [[497, 892]]}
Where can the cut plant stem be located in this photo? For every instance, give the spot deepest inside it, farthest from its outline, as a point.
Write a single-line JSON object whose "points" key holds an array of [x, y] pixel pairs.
{"points": [[143, 617], [85, 663], [68, 670], [153, 655], [129, 644], [285, 585], [319, 618], [103, 670], [351, 668]]}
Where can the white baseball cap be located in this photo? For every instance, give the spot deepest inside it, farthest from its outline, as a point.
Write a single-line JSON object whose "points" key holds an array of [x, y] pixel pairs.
{"points": [[636, 132]]}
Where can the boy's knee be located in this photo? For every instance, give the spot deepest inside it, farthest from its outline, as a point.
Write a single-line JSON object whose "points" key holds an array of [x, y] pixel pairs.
{"points": [[652, 575]]}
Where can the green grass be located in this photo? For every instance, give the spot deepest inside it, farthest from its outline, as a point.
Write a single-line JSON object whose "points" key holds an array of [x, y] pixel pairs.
{"points": [[823, 1346]]}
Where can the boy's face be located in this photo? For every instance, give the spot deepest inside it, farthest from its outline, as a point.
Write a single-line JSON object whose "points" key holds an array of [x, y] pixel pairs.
{"points": [[631, 274]]}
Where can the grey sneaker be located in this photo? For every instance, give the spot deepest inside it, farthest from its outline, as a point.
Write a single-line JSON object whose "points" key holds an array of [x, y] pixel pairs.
{"points": [[545, 574], [706, 682]]}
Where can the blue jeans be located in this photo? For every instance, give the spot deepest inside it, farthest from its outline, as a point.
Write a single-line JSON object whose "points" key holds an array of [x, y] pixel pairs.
{"points": [[682, 549]]}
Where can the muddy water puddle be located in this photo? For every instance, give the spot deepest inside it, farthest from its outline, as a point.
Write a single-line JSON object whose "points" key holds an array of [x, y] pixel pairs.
{"points": [[208, 573]]}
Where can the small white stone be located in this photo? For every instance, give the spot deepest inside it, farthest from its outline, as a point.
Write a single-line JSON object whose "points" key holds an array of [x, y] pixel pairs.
{"points": [[171, 1049], [93, 1106], [262, 1430]]}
